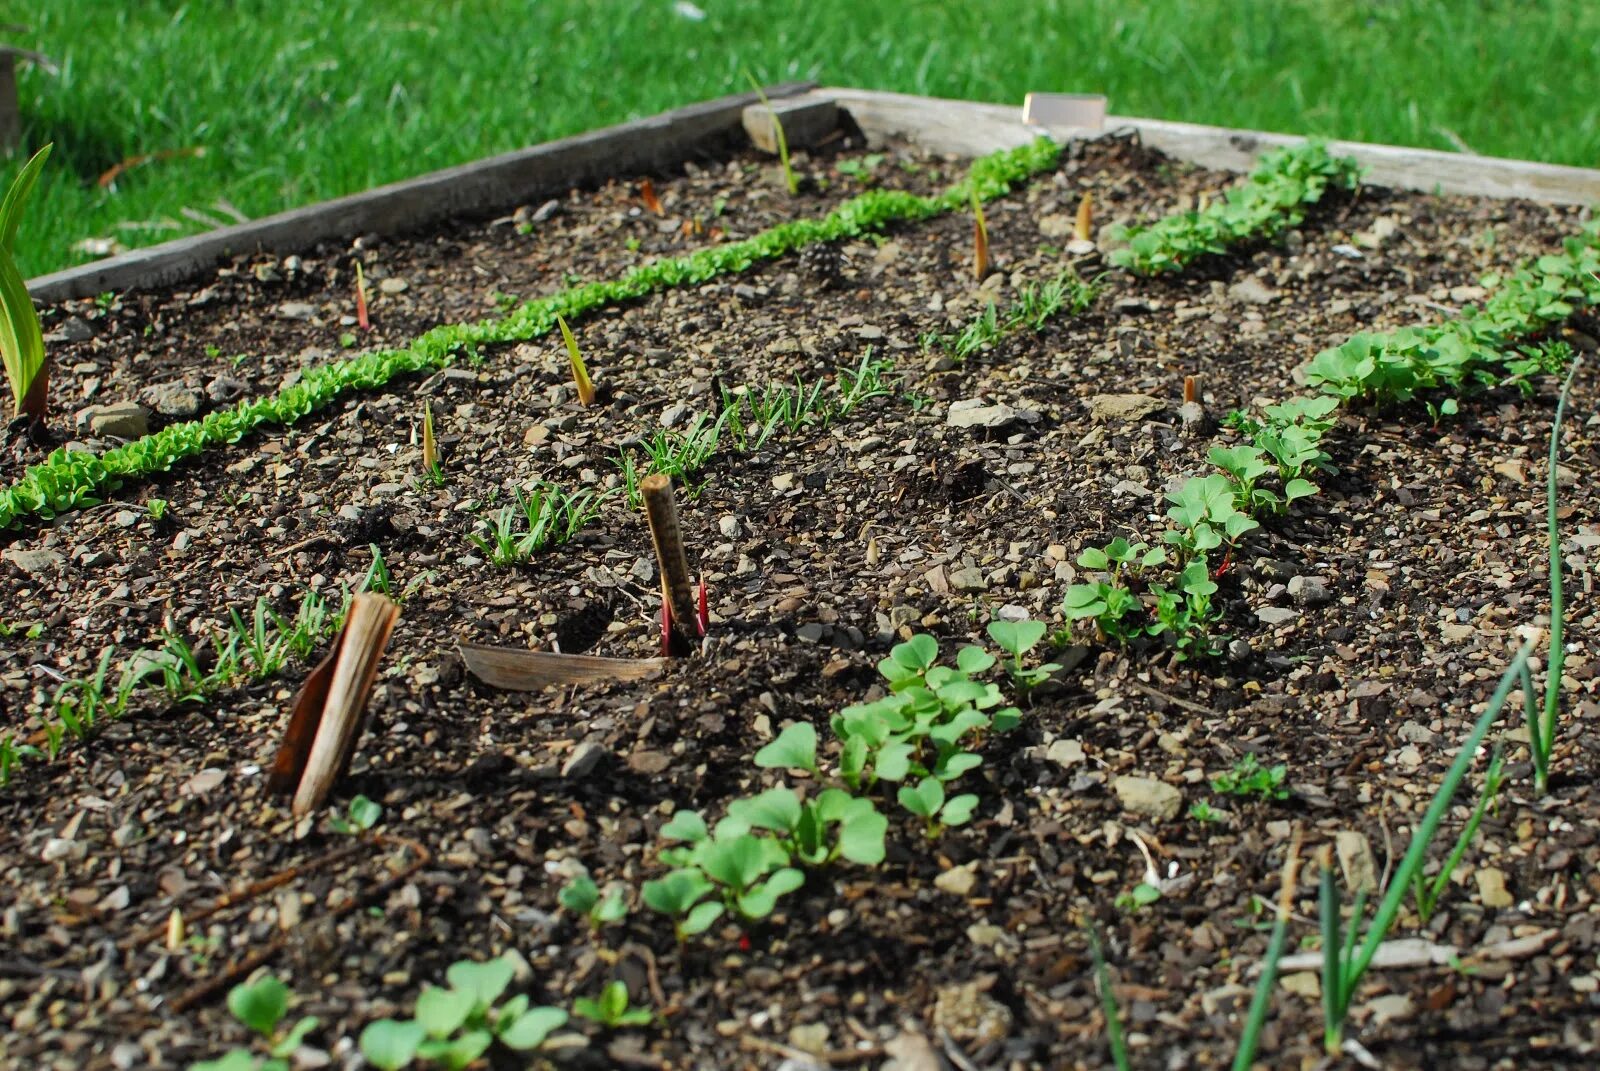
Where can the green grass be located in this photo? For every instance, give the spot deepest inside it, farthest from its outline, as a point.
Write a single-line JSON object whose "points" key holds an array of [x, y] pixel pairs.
{"points": [[298, 102]]}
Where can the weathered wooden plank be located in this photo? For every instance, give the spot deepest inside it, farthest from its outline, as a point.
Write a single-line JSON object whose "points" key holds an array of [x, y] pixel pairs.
{"points": [[485, 186], [968, 128], [806, 122]]}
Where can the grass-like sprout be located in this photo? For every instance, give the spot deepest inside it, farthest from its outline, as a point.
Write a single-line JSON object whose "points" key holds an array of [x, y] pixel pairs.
{"points": [[1542, 726], [1344, 964], [980, 239], [549, 516], [362, 320], [580, 371], [790, 179], [1108, 1003], [21, 340], [1427, 893], [1257, 1017], [431, 468]]}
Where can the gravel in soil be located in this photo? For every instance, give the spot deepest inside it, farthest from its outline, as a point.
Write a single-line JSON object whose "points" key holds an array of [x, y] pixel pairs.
{"points": [[1367, 628]]}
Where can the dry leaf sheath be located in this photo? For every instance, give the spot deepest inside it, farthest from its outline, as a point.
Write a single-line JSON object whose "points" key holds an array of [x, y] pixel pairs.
{"points": [[677, 590]]}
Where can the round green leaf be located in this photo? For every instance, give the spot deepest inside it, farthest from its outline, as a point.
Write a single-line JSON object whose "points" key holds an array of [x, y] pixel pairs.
{"points": [[530, 1028], [389, 1045], [260, 1005]]}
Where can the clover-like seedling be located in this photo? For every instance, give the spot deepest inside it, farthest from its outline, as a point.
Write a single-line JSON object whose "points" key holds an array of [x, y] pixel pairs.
{"points": [[612, 1009], [682, 895], [1185, 611], [1249, 778], [361, 815], [1017, 638], [1205, 814], [927, 801], [1143, 895], [794, 749], [455, 1025], [261, 1005], [908, 662], [582, 896], [816, 832], [752, 871]]}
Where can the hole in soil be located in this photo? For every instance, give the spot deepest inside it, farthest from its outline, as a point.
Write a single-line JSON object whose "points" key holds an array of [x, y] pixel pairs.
{"points": [[585, 624]]}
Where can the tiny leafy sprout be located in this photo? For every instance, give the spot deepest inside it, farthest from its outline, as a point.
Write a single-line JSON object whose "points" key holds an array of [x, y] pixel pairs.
{"points": [[582, 896], [261, 1005], [156, 509], [612, 1010], [361, 815], [1017, 638], [1204, 813], [803, 827], [1249, 778], [455, 1025], [927, 801], [378, 578], [1142, 895], [682, 895], [794, 749], [580, 371]]}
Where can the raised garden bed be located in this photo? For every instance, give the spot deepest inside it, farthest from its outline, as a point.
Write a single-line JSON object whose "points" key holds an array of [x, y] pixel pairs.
{"points": [[1359, 632]]}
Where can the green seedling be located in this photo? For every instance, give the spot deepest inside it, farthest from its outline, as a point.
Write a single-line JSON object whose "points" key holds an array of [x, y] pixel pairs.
{"points": [[156, 510], [1205, 516], [1346, 956], [815, 832], [1249, 778], [1108, 1003], [926, 799], [545, 517], [1017, 638], [69, 480], [682, 895], [583, 897], [750, 872], [1205, 814], [863, 383], [1185, 613], [1543, 725], [261, 1005], [1272, 200], [1427, 893], [431, 468], [980, 240], [1142, 895], [861, 169], [455, 1025], [378, 579], [611, 1010], [22, 355], [791, 181], [580, 371], [359, 817]]}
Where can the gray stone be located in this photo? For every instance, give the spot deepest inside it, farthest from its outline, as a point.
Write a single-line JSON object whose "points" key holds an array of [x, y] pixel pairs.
{"points": [[674, 415], [1309, 591], [1065, 753], [584, 758], [72, 329], [1147, 797], [728, 525], [225, 388], [173, 400], [1273, 616], [393, 285], [296, 310], [122, 420], [1356, 861], [35, 562], [975, 413], [1124, 406], [1252, 291], [811, 633], [968, 579]]}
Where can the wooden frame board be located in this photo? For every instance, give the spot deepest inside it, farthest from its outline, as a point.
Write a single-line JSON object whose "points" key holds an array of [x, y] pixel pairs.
{"points": [[962, 128]]}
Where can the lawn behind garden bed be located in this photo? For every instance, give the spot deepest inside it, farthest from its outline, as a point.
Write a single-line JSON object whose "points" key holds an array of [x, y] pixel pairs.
{"points": [[336, 96]]}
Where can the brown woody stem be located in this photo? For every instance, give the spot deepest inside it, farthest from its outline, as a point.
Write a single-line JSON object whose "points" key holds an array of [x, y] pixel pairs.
{"points": [[676, 588]]}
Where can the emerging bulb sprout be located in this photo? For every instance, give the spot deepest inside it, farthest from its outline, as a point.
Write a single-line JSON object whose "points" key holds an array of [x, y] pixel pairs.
{"points": [[580, 373], [980, 240]]}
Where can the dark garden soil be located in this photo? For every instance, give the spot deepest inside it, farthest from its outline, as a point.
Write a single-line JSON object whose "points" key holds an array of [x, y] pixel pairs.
{"points": [[1418, 561]]}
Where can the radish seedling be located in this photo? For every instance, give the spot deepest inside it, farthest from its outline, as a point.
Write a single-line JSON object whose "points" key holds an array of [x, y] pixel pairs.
{"points": [[261, 1005], [1017, 638], [612, 1010], [582, 896]]}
